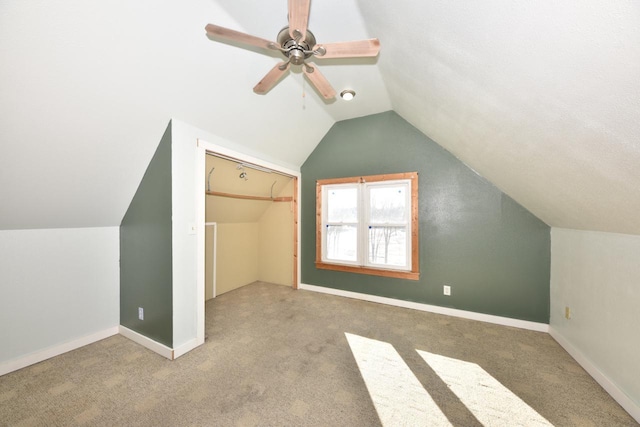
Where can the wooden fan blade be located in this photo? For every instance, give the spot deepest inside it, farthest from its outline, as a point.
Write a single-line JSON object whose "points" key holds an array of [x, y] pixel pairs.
{"points": [[355, 49], [272, 77], [236, 36], [319, 81], [298, 18]]}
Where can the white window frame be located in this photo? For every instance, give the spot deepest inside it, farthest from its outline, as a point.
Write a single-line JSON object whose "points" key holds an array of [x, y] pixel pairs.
{"points": [[366, 223], [326, 224]]}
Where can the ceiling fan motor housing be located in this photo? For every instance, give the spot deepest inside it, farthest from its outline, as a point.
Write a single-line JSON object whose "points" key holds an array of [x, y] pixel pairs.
{"points": [[296, 51], [297, 44]]}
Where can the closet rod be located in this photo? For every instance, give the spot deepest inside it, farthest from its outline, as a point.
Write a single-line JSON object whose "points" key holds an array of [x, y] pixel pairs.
{"points": [[242, 196]]}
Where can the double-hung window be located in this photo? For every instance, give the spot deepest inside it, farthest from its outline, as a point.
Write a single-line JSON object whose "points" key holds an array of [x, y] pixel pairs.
{"points": [[368, 225]]}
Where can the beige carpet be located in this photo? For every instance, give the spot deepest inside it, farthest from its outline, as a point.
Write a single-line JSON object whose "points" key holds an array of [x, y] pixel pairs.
{"points": [[278, 357]]}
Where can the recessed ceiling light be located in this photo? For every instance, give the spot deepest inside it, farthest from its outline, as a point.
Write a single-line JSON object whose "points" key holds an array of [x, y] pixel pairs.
{"points": [[347, 94]]}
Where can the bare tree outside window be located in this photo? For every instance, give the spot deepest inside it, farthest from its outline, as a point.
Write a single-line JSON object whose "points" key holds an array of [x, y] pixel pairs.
{"points": [[387, 222]]}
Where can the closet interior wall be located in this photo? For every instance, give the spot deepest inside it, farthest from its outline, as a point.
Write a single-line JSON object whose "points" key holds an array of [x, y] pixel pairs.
{"points": [[254, 216]]}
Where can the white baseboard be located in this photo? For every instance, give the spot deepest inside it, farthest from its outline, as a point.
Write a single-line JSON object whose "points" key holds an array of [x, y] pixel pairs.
{"points": [[185, 348], [57, 350], [498, 320], [618, 395], [152, 345]]}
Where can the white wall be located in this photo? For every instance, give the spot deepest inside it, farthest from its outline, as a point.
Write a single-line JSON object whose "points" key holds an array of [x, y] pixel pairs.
{"points": [[183, 193], [597, 275], [56, 286]]}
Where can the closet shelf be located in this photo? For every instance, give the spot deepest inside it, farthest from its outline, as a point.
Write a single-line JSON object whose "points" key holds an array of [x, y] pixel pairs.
{"points": [[247, 197]]}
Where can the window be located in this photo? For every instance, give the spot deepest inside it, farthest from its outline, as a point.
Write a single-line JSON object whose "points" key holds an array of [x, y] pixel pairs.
{"points": [[368, 225]]}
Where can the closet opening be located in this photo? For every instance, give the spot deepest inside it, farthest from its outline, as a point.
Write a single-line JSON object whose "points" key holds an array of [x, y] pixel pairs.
{"points": [[250, 225]]}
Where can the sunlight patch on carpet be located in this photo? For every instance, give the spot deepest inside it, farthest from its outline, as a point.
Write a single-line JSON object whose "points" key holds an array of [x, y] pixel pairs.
{"points": [[490, 402], [397, 394]]}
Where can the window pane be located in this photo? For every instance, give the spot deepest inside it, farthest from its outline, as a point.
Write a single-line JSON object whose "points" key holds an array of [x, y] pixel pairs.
{"points": [[387, 204], [388, 246], [342, 205], [342, 242]]}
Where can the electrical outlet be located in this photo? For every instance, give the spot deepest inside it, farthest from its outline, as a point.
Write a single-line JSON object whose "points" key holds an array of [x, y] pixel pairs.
{"points": [[140, 313], [446, 290], [567, 313]]}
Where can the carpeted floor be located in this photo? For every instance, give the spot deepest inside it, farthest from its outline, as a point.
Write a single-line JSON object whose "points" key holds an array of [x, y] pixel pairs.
{"points": [[278, 357]]}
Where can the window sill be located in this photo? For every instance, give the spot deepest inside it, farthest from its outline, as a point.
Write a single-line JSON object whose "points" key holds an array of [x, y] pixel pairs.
{"points": [[410, 275]]}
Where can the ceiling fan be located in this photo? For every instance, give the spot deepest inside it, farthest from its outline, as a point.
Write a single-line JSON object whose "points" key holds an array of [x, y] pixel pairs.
{"points": [[297, 44]]}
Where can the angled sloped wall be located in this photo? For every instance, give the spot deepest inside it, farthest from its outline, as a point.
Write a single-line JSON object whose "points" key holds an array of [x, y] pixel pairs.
{"points": [[491, 251], [146, 251]]}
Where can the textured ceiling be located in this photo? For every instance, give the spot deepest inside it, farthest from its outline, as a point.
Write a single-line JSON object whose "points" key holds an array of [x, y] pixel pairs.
{"points": [[542, 99]]}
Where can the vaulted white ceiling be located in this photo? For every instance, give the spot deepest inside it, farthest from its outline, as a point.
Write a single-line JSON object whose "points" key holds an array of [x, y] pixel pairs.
{"points": [[542, 99]]}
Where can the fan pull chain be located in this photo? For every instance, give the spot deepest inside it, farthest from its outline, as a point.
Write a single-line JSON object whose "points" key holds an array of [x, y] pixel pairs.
{"points": [[304, 94]]}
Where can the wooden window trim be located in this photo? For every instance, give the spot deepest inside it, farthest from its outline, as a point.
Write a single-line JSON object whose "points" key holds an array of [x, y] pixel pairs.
{"points": [[414, 274]]}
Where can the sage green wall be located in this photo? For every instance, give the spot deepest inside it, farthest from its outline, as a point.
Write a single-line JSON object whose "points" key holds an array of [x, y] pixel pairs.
{"points": [[145, 251], [493, 253]]}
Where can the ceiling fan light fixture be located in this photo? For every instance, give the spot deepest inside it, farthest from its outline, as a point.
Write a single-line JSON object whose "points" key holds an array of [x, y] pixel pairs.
{"points": [[297, 44], [347, 94]]}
